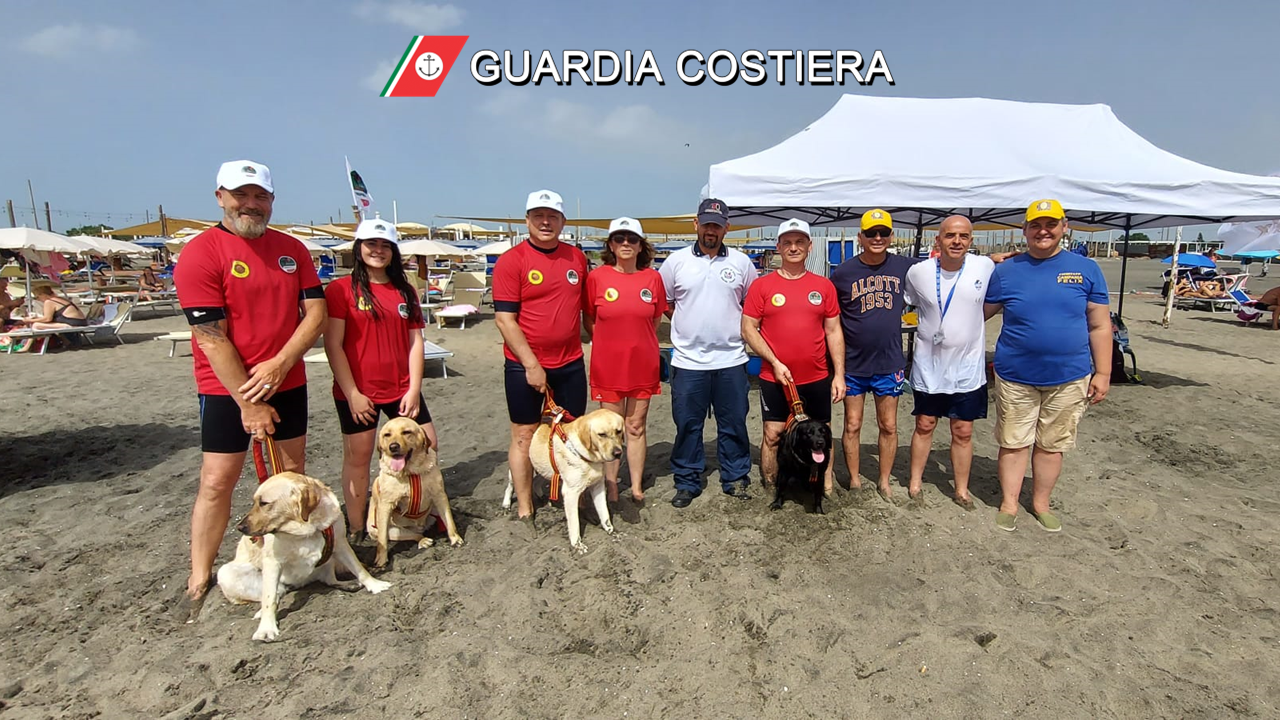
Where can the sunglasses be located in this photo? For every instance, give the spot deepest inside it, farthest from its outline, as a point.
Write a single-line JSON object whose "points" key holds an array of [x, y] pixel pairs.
{"points": [[626, 238], [872, 234]]}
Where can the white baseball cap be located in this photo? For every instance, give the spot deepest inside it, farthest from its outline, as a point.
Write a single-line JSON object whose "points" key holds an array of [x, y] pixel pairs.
{"points": [[794, 225], [239, 173], [377, 229], [545, 199], [626, 224]]}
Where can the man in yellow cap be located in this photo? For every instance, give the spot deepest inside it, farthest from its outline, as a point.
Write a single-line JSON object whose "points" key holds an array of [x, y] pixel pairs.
{"points": [[1053, 358], [869, 289]]}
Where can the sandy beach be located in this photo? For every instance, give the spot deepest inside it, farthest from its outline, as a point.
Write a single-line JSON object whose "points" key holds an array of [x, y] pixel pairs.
{"points": [[1158, 599]]}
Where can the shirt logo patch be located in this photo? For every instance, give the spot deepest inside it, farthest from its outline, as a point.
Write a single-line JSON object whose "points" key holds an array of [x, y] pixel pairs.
{"points": [[403, 309], [239, 268], [535, 277], [815, 298], [363, 304], [646, 295], [572, 277], [1070, 278], [610, 294], [729, 275], [288, 264], [778, 299]]}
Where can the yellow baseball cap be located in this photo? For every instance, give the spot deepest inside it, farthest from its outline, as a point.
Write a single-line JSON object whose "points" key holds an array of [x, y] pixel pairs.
{"points": [[876, 218], [1045, 208]]}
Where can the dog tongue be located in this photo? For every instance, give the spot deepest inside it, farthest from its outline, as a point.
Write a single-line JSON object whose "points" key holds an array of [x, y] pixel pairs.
{"points": [[397, 464], [819, 456]]}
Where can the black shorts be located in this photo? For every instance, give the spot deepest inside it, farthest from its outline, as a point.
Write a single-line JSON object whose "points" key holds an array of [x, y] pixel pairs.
{"points": [[1259, 305], [967, 406], [351, 426], [568, 385], [816, 397], [221, 430]]}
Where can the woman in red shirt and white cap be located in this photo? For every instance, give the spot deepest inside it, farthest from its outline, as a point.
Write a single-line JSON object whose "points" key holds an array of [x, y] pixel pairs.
{"points": [[626, 299]]}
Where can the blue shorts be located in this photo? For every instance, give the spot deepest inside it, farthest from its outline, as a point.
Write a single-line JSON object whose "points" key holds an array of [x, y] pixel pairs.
{"points": [[886, 385], [967, 406]]}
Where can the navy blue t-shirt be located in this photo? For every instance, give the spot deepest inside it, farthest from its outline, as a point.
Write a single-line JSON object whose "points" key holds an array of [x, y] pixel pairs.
{"points": [[871, 306], [1045, 338]]}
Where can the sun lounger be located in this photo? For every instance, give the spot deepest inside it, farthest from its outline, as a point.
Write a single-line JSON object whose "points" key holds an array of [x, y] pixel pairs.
{"points": [[175, 338], [113, 317], [430, 351], [1226, 303]]}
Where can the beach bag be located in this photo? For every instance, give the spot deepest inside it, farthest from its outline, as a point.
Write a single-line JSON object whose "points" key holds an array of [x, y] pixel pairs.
{"points": [[1119, 349]]}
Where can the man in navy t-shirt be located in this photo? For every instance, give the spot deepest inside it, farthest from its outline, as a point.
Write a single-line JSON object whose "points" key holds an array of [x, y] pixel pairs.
{"points": [[869, 291], [1052, 360]]}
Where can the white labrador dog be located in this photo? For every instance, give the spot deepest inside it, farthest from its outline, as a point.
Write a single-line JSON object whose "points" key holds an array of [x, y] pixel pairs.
{"points": [[304, 540]]}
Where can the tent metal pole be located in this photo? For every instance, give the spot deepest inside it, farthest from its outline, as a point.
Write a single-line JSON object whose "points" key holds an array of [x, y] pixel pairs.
{"points": [[915, 253], [1124, 264]]}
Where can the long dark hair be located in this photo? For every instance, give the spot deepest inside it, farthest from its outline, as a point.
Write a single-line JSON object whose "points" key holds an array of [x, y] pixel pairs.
{"points": [[395, 273], [643, 257]]}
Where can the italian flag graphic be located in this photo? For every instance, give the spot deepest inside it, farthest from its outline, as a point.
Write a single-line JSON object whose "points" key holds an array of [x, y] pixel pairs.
{"points": [[424, 65]]}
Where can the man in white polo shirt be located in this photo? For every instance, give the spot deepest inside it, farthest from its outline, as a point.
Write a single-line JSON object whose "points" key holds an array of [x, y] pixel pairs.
{"points": [[706, 284], [948, 376]]}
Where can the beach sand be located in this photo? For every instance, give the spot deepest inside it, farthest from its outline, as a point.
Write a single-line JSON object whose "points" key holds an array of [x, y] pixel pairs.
{"points": [[1157, 600]]}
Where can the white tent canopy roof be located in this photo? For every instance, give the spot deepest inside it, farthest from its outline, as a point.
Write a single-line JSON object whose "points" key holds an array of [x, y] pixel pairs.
{"points": [[923, 159]]}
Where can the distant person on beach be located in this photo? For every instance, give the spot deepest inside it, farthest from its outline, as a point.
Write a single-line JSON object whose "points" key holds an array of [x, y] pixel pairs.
{"points": [[255, 306], [373, 342], [949, 370], [792, 321], [626, 300], [706, 285], [1052, 360], [8, 304], [56, 313], [1270, 300], [539, 294], [149, 282], [870, 289]]}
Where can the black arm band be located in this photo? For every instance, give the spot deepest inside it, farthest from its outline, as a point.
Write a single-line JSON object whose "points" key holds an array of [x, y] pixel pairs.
{"points": [[202, 315], [312, 293], [511, 306]]}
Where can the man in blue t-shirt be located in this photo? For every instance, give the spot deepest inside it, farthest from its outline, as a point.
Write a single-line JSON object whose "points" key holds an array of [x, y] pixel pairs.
{"points": [[869, 291], [1052, 360]]}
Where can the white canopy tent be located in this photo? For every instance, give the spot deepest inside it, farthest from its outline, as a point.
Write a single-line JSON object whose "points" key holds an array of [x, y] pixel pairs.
{"points": [[924, 159]]}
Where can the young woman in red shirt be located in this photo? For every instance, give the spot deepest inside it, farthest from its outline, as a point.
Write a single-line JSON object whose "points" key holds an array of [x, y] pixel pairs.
{"points": [[626, 300], [374, 345]]}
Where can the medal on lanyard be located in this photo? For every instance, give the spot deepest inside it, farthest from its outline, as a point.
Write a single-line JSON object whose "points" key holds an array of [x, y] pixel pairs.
{"points": [[939, 337]]}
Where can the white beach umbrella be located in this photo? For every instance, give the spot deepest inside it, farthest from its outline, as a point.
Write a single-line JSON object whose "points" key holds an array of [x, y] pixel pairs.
{"points": [[431, 248], [494, 248]]}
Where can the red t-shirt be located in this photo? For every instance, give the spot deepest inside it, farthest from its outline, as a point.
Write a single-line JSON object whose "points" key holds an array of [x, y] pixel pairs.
{"points": [[791, 315], [377, 349], [551, 289], [258, 284], [624, 350]]}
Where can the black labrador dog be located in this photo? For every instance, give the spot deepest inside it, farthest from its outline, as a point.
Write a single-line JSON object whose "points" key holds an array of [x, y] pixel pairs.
{"points": [[803, 456]]}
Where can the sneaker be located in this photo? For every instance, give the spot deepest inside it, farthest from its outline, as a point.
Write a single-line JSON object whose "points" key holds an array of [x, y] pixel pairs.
{"points": [[1049, 521], [1006, 521], [682, 499]]}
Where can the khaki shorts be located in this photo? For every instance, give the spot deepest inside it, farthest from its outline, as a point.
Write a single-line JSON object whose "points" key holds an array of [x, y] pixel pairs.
{"points": [[1044, 416]]}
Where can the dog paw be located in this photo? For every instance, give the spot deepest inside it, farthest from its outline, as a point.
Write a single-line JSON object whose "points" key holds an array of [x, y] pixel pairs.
{"points": [[426, 542], [456, 541], [267, 632], [607, 527], [380, 561], [376, 586], [580, 547]]}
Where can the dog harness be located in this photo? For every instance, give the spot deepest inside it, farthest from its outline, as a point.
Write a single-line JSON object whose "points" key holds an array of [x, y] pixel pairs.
{"points": [[266, 461], [556, 415], [416, 510], [796, 415]]}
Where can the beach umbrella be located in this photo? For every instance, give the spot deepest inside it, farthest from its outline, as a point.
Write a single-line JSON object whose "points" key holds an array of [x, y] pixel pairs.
{"points": [[431, 248], [1240, 238], [1257, 254], [1191, 260], [30, 239], [494, 248]]}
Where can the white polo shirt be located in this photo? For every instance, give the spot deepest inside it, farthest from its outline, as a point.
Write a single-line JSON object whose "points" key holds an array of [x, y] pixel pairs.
{"points": [[957, 363], [706, 295]]}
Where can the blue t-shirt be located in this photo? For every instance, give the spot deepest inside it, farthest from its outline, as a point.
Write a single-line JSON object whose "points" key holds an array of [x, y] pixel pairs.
{"points": [[1045, 338], [871, 305]]}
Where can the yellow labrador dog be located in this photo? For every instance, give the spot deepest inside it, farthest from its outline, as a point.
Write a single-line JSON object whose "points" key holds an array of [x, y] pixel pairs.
{"points": [[409, 490], [589, 442], [304, 540]]}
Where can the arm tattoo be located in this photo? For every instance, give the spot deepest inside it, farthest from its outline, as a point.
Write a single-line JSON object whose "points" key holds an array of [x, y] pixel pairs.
{"points": [[210, 333]]}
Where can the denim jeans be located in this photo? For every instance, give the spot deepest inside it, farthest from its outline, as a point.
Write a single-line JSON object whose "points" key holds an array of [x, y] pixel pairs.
{"points": [[693, 392]]}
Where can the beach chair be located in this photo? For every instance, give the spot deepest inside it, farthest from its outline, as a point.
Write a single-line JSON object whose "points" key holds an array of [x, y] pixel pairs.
{"points": [[1247, 308], [105, 319], [1226, 303], [430, 351], [466, 302], [182, 336]]}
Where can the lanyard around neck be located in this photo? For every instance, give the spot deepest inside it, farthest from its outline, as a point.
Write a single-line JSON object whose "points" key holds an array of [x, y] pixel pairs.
{"points": [[937, 276]]}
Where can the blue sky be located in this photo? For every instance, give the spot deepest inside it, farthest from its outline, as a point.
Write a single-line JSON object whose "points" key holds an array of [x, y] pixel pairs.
{"points": [[119, 107]]}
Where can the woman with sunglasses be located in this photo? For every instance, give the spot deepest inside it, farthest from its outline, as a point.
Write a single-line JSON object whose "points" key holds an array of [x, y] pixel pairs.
{"points": [[626, 300], [374, 345]]}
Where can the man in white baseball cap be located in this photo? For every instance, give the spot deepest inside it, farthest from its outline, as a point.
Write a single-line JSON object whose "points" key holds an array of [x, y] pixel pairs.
{"points": [[248, 375], [539, 294]]}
